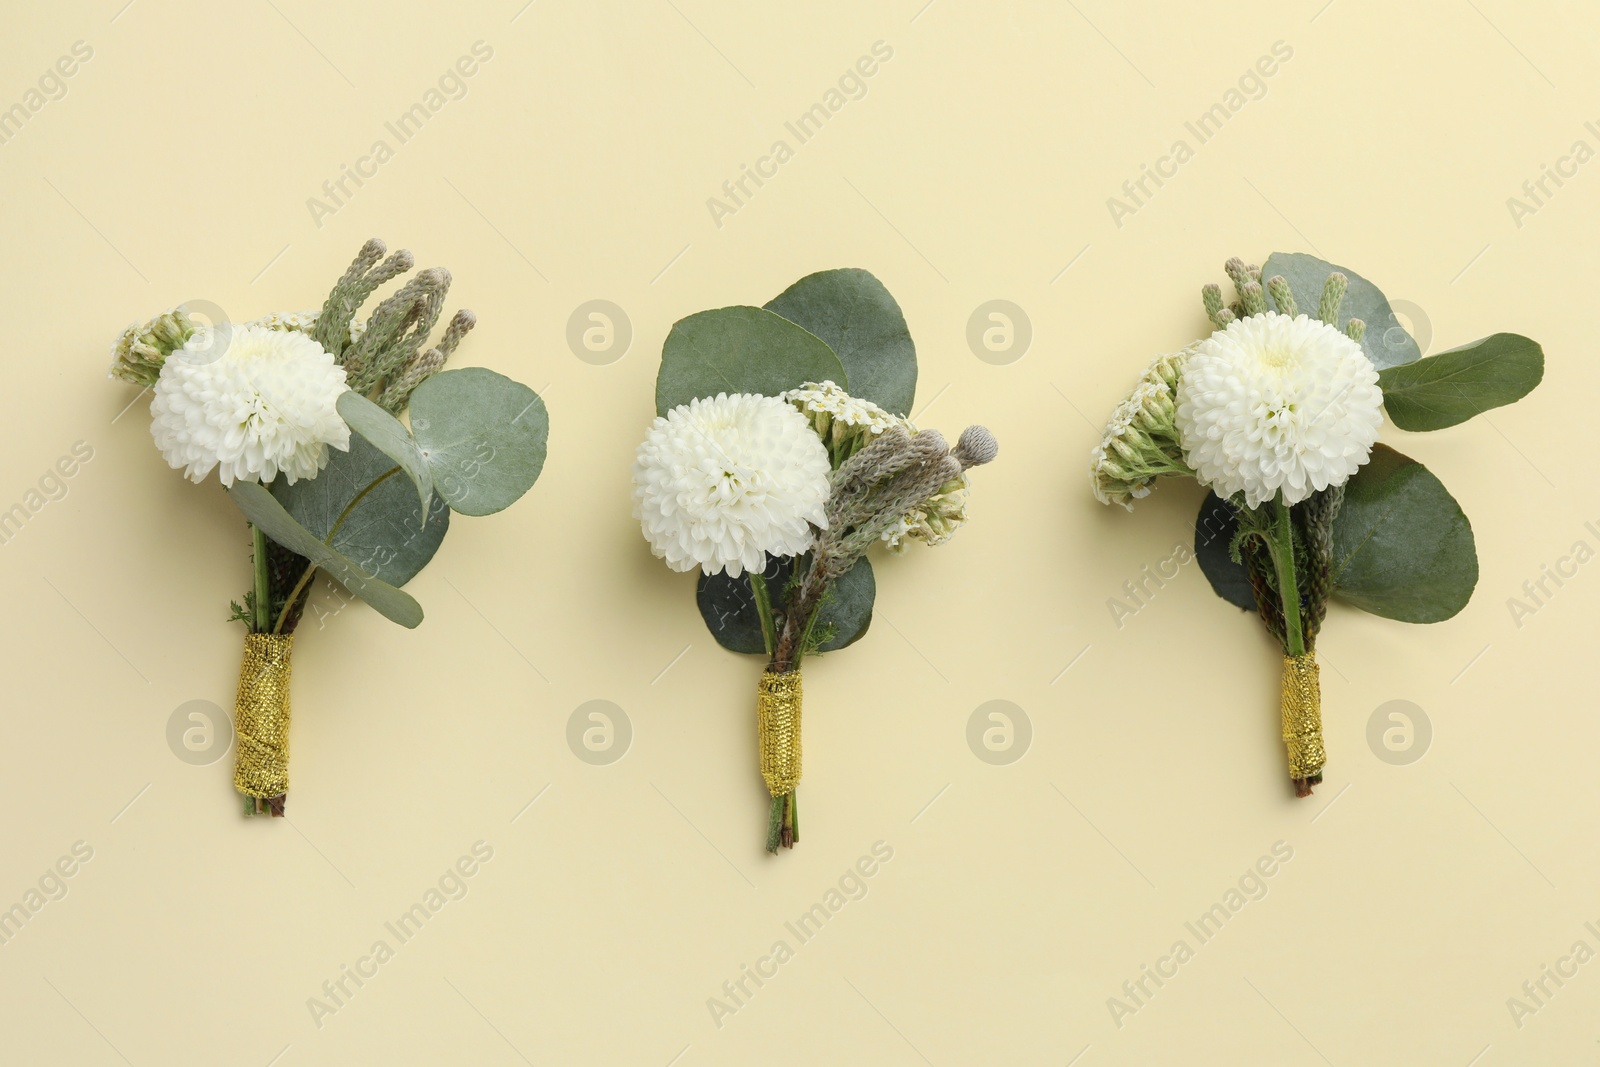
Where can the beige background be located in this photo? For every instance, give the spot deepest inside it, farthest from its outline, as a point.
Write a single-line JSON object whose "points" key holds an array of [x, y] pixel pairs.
{"points": [[1019, 898]]}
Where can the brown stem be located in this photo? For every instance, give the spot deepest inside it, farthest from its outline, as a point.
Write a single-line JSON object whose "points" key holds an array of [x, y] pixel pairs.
{"points": [[797, 621], [786, 835]]}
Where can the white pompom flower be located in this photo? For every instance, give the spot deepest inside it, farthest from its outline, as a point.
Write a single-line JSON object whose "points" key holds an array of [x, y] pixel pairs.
{"points": [[250, 401], [1277, 404], [722, 481]]}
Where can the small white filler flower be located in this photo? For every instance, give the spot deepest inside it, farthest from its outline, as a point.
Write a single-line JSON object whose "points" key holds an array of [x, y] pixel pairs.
{"points": [[830, 406], [252, 402], [847, 424], [1273, 403], [721, 481]]}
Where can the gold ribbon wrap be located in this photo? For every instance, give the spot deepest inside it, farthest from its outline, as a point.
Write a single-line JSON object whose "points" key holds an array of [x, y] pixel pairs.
{"points": [[261, 717], [1302, 716], [778, 725]]}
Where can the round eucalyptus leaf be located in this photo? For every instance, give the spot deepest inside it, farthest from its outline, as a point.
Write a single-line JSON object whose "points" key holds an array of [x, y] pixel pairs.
{"points": [[728, 605], [1387, 343], [1213, 533], [855, 315], [739, 350], [1402, 548], [383, 532], [482, 435]]}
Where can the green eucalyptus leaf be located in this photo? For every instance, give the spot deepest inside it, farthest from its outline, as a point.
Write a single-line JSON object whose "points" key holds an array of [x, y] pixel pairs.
{"points": [[482, 435], [739, 350], [854, 314], [1213, 533], [262, 509], [1451, 387], [729, 607], [390, 437], [377, 524], [1387, 343], [1402, 548]]}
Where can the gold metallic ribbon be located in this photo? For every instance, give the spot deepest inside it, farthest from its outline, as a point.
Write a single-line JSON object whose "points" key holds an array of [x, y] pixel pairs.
{"points": [[1302, 716], [261, 717], [778, 724]]}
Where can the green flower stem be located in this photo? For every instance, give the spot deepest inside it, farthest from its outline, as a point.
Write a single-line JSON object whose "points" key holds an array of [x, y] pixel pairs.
{"points": [[1288, 582], [774, 823], [758, 589], [263, 602], [805, 636], [783, 821], [1151, 469]]}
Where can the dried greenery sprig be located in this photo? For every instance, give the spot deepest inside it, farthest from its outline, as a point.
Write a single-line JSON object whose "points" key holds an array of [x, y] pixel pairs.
{"points": [[871, 491]]}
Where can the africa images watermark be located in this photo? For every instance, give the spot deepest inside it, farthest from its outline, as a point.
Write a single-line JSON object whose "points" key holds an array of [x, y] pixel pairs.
{"points": [[52, 486], [1214, 522], [451, 85], [1553, 577], [1252, 85], [50, 887], [1251, 887], [1538, 991], [737, 191], [852, 885], [1537, 192], [50, 87], [1139, 592], [337, 992]]}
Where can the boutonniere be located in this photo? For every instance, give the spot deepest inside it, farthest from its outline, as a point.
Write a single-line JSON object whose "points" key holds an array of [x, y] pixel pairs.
{"points": [[299, 416], [781, 453], [1278, 413]]}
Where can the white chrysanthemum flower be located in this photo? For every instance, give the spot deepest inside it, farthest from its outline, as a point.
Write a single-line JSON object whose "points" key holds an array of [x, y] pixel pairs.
{"points": [[250, 401], [722, 481], [1274, 404]]}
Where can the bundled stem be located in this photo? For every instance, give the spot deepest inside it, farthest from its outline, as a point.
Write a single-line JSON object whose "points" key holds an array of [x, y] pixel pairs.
{"points": [[1288, 554], [871, 491], [1287, 551]]}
